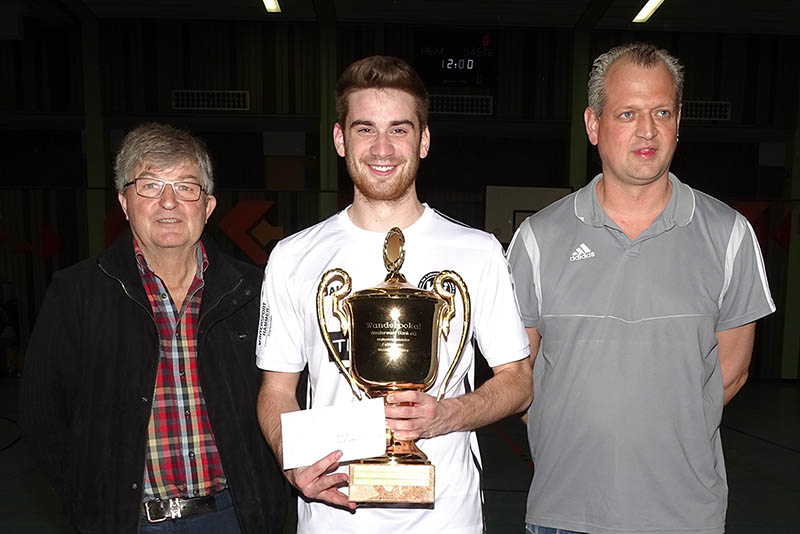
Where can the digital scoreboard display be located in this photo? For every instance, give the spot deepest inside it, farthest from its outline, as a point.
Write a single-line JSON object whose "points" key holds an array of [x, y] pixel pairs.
{"points": [[456, 59]]}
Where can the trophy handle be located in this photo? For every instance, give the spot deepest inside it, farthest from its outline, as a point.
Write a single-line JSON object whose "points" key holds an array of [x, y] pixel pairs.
{"points": [[338, 295], [448, 311]]}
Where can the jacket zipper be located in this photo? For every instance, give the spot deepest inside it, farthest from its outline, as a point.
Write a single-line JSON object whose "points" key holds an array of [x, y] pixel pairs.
{"points": [[140, 491], [217, 303]]}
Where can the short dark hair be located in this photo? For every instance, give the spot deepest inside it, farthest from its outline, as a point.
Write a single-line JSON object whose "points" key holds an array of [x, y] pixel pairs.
{"points": [[161, 145], [381, 72]]}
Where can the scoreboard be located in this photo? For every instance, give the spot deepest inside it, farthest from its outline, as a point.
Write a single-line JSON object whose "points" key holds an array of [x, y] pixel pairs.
{"points": [[464, 59]]}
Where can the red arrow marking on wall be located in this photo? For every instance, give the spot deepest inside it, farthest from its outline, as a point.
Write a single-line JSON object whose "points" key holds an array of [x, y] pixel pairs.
{"points": [[246, 226]]}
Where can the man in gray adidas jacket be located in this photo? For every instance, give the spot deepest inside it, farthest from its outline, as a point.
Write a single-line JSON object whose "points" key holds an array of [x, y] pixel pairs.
{"points": [[640, 294]]}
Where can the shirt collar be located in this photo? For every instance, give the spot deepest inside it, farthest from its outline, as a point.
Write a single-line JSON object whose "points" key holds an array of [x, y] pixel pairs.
{"points": [[200, 250], [679, 209]]}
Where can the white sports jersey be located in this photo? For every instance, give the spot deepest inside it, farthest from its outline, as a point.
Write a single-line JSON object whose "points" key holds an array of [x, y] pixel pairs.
{"points": [[289, 338]]}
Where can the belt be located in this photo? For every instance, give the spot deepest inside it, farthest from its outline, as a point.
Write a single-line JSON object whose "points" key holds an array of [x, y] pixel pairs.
{"points": [[159, 510]]}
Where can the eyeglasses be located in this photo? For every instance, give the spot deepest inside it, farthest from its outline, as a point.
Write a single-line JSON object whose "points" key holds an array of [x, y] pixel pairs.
{"points": [[154, 188]]}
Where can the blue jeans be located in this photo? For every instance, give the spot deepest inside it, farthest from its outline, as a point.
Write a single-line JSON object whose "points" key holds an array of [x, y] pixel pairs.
{"points": [[536, 529], [222, 521]]}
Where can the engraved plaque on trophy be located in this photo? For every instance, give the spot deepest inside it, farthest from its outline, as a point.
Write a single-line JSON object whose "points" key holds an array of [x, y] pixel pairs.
{"points": [[393, 331]]}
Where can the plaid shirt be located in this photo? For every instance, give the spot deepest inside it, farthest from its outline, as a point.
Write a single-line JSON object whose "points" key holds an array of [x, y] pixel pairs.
{"points": [[182, 459]]}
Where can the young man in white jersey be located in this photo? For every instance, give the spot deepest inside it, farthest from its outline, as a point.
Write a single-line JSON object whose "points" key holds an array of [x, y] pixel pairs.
{"points": [[382, 132]]}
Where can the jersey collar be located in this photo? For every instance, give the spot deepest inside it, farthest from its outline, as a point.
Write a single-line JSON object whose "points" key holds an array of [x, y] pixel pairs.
{"points": [[679, 209]]}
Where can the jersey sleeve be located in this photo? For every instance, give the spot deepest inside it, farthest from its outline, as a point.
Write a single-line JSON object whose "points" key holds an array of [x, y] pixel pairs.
{"points": [[745, 296], [280, 338], [498, 329], [523, 257]]}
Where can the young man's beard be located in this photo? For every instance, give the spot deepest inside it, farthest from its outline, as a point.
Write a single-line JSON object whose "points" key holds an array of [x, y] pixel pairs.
{"points": [[384, 190]]}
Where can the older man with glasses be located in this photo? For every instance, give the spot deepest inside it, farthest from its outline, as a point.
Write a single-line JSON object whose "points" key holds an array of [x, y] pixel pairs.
{"points": [[139, 389]]}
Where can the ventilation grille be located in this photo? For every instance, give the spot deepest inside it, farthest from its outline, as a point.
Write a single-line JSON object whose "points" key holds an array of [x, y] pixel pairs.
{"points": [[185, 99], [462, 104], [706, 110]]}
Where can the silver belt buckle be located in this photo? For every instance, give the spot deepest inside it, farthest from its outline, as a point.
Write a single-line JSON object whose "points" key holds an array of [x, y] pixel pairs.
{"points": [[147, 513], [173, 513]]}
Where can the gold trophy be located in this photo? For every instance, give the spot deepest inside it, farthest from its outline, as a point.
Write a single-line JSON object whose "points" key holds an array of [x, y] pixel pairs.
{"points": [[393, 331]]}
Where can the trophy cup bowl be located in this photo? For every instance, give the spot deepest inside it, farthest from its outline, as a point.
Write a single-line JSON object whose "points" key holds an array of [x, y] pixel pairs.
{"points": [[393, 333]]}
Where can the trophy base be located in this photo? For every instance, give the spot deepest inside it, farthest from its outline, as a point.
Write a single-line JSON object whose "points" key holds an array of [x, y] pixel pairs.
{"points": [[391, 483]]}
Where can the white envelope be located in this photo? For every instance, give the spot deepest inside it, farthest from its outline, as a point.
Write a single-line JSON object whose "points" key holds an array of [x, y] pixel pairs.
{"points": [[357, 429]]}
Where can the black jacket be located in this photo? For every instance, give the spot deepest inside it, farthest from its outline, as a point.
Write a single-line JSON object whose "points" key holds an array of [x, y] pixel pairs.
{"points": [[88, 381]]}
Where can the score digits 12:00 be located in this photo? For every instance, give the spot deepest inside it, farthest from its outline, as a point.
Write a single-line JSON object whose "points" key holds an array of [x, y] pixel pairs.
{"points": [[459, 64]]}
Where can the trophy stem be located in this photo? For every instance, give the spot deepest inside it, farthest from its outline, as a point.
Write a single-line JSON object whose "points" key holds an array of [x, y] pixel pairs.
{"points": [[404, 451], [397, 450]]}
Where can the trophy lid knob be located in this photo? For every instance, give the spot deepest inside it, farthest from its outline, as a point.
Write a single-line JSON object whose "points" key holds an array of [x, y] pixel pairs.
{"points": [[394, 253]]}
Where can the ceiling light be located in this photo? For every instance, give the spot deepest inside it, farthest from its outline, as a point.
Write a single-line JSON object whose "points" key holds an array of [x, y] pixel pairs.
{"points": [[643, 15], [274, 7]]}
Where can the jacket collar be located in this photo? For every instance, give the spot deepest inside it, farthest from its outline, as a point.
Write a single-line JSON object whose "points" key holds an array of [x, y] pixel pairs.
{"points": [[119, 261]]}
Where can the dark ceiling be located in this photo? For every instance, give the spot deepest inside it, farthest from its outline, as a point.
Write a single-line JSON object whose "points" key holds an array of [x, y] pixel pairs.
{"points": [[735, 16]]}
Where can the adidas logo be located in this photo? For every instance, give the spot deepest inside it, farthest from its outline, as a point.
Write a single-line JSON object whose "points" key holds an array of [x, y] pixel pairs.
{"points": [[581, 253]]}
